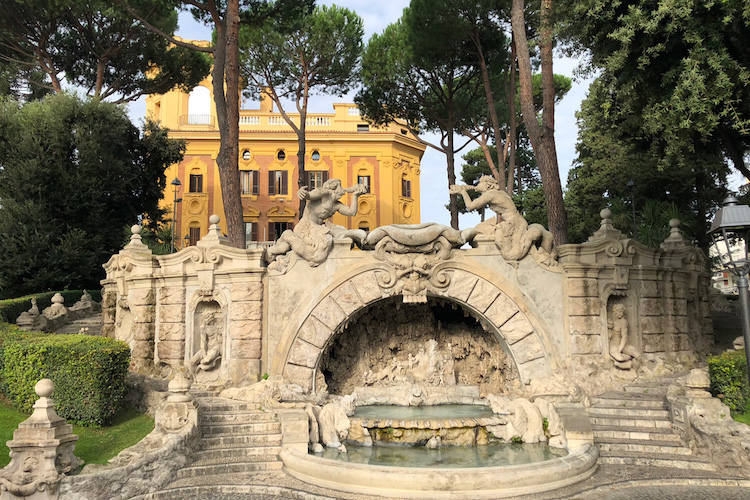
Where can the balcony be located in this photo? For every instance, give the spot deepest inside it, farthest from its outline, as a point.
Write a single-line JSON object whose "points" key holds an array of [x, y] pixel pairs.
{"points": [[201, 120]]}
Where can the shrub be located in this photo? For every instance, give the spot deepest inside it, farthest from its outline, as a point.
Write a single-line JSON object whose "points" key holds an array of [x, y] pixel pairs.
{"points": [[88, 372], [10, 309], [728, 373]]}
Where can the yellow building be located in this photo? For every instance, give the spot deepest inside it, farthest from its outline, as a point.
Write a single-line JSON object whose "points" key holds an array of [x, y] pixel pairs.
{"points": [[339, 145]]}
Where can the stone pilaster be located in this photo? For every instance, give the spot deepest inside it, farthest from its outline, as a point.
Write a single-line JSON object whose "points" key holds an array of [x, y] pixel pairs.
{"points": [[171, 330]]}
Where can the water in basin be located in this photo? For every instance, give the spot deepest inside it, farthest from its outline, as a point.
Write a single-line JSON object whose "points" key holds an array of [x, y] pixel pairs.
{"points": [[423, 412], [498, 454]]}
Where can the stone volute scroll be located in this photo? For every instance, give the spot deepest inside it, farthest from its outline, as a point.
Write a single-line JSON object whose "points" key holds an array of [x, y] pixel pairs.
{"points": [[312, 238], [513, 236], [41, 451]]}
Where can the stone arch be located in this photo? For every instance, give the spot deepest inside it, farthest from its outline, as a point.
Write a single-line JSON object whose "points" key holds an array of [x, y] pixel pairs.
{"points": [[495, 302]]}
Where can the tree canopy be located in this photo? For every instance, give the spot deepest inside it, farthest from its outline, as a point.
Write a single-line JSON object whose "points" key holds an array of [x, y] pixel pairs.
{"points": [[72, 174]]}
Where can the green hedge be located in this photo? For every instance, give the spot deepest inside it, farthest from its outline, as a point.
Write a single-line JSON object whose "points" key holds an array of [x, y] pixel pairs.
{"points": [[10, 309], [728, 373], [88, 372]]}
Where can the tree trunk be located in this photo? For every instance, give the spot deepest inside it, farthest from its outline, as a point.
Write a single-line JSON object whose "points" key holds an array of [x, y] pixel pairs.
{"points": [[513, 132], [542, 136], [450, 157], [226, 70], [301, 152]]}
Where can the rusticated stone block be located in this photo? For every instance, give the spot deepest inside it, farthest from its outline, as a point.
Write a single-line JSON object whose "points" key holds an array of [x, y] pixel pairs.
{"points": [[535, 368], [171, 349], [652, 307], [315, 332], [679, 307], [649, 289], [244, 330], [245, 349], [652, 325], [143, 314], [109, 315], [654, 343], [527, 349], [679, 291], [516, 328], [142, 297], [483, 295], [462, 283], [585, 325], [109, 299], [329, 313], [586, 344], [584, 306], [171, 295], [300, 375], [683, 342], [681, 324], [143, 349], [583, 287], [303, 354], [171, 331], [245, 311], [246, 292], [108, 330], [501, 310], [367, 286], [347, 298], [143, 331], [174, 313]]}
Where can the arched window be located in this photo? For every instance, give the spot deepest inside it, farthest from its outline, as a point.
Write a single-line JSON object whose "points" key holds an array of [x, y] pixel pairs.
{"points": [[199, 106]]}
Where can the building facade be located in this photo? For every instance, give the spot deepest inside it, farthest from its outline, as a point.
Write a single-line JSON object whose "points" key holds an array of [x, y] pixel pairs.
{"points": [[339, 145]]}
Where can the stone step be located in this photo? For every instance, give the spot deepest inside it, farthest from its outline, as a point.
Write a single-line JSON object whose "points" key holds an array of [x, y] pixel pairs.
{"points": [[254, 451], [260, 458], [224, 488], [629, 400], [653, 460], [642, 446], [648, 388], [604, 432], [236, 418], [635, 413], [250, 429], [212, 443], [613, 421], [224, 407], [228, 468]]}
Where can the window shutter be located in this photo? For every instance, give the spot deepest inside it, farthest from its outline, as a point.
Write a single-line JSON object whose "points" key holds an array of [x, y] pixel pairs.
{"points": [[271, 183], [256, 187], [254, 231], [271, 232], [325, 176], [200, 183], [284, 182]]}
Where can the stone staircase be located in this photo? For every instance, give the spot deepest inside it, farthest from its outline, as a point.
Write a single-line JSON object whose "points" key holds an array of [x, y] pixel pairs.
{"points": [[633, 427], [91, 325]]}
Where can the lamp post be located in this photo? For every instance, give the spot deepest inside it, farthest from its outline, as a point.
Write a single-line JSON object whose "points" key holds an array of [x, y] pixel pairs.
{"points": [[731, 227], [631, 187], [175, 187], [187, 241]]}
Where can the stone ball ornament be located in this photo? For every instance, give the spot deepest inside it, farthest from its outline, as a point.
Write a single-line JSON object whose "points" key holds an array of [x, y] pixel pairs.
{"points": [[44, 388]]}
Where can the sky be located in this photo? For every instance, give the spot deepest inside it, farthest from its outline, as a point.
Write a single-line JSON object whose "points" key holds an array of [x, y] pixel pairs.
{"points": [[433, 178]]}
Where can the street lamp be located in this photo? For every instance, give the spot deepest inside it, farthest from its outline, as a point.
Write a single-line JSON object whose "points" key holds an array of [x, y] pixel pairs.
{"points": [[175, 187], [631, 187], [187, 241], [731, 228]]}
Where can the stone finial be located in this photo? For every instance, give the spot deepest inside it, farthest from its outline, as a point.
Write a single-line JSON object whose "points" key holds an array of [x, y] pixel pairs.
{"points": [[607, 230], [58, 299], [214, 236], [136, 244], [675, 238], [178, 388]]}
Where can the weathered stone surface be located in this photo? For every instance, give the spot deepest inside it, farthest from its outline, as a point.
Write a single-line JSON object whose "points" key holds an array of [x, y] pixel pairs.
{"points": [[142, 297], [301, 375], [303, 354], [462, 283], [246, 349], [245, 292], [347, 298], [143, 314], [583, 287], [171, 331], [652, 307], [654, 343], [315, 332], [143, 331], [501, 310], [108, 330], [533, 368], [652, 325], [586, 344], [367, 287], [483, 295], [109, 299], [109, 315], [244, 330], [172, 313], [329, 313], [516, 328], [683, 343], [170, 349], [142, 349], [648, 288], [527, 349], [681, 324], [171, 295], [584, 306], [585, 325], [245, 311], [679, 307]]}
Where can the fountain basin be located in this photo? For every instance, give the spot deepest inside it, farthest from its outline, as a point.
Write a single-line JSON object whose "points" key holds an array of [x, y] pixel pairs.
{"points": [[424, 482]]}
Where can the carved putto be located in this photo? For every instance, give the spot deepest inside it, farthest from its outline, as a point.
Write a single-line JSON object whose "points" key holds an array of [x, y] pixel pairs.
{"points": [[512, 234], [209, 335], [312, 239], [621, 349]]}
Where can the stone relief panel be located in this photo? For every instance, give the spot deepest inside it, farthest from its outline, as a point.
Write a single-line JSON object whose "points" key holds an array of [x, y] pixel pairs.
{"points": [[207, 350], [621, 334]]}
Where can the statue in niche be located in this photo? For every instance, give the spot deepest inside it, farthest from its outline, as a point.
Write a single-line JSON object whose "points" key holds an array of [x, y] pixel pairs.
{"points": [[209, 332], [312, 239], [624, 354], [513, 235]]}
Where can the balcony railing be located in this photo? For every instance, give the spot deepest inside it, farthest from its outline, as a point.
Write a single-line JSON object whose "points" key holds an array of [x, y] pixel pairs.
{"points": [[197, 120]]}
